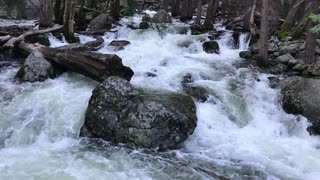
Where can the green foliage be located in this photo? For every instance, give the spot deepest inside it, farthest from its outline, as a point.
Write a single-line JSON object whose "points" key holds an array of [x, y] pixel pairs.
{"points": [[315, 18], [130, 9]]}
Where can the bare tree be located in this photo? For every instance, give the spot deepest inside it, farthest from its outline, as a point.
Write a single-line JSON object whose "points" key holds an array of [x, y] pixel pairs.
{"points": [[199, 9], [175, 8], [264, 33], [210, 13], [186, 10], [46, 15], [68, 20], [115, 9], [311, 38], [58, 11]]}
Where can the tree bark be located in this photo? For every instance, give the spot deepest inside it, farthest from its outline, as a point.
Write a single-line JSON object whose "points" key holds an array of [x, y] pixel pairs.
{"points": [[175, 8], [199, 9], [68, 20], [311, 38], [115, 9], [58, 11], [186, 10], [264, 33], [252, 24], [286, 26], [46, 15], [210, 13]]}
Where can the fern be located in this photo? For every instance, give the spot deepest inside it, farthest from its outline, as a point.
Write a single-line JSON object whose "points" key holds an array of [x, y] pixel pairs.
{"points": [[315, 18]]}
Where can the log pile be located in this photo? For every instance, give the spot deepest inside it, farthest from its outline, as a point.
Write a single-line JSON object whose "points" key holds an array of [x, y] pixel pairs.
{"points": [[90, 64]]}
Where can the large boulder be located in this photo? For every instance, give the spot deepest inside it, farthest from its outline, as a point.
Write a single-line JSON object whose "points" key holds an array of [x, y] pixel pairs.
{"points": [[211, 47], [101, 22], [119, 113], [302, 96], [161, 17], [36, 68]]}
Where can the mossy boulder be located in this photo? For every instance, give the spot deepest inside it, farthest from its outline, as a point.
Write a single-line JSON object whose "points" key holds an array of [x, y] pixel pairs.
{"points": [[101, 22], [144, 25], [120, 113], [302, 96], [161, 17]]}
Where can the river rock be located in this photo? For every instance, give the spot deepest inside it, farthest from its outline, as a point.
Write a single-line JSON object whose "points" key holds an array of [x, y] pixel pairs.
{"points": [[211, 47], [120, 113], [101, 22], [245, 54], [119, 43], [39, 38], [302, 96], [36, 68], [161, 17], [284, 59]]}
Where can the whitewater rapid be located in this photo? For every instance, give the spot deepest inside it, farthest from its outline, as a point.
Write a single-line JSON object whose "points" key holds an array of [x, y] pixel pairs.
{"points": [[242, 131]]}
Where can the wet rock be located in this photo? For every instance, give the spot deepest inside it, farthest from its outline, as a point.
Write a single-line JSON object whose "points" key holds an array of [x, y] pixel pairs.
{"points": [[75, 47], [302, 96], [150, 74], [40, 38], [199, 93], [284, 59], [236, 40], [36, 68], [245, 54], [214, 35], [291, 49], [211, 47], [185, 44], [161, 17], [119, 43], [144, 25], [101, 22], [278, 69], [120, 113]]}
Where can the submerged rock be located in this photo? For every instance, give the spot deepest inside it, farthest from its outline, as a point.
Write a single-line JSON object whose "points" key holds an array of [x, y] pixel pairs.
{"points": [[119, 43], [119, 113], [36, 68], [161, 17], [302, 96], [211, 47]]}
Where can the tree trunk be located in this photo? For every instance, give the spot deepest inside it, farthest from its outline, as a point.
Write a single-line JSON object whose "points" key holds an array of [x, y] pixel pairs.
{"points": [[58, 11], [264, 33], [68, 20], [252, 24], [175, 8], [210, 13], [286, 26], [46, 13], [199, 9], [311, 38], [115, 9], [186, 10]]}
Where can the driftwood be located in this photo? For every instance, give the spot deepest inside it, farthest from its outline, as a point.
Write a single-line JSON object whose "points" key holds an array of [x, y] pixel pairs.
{"points": [[12, 41], [93, 65], [97, 33]]}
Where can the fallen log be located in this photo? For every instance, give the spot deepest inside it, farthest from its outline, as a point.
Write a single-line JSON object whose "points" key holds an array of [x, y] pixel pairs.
{"points": [[4, 39], [12, 41], [93, 65]]}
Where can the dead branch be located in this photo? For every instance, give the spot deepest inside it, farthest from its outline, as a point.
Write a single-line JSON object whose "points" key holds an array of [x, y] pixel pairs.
{"points": [[12, 41]]}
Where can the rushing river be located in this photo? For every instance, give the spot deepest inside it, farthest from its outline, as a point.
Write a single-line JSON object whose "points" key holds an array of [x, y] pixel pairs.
{"points": [[242, 131]]}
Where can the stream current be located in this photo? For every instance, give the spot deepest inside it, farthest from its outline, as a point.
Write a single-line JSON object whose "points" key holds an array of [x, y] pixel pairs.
{"points": [[242, 131]]}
